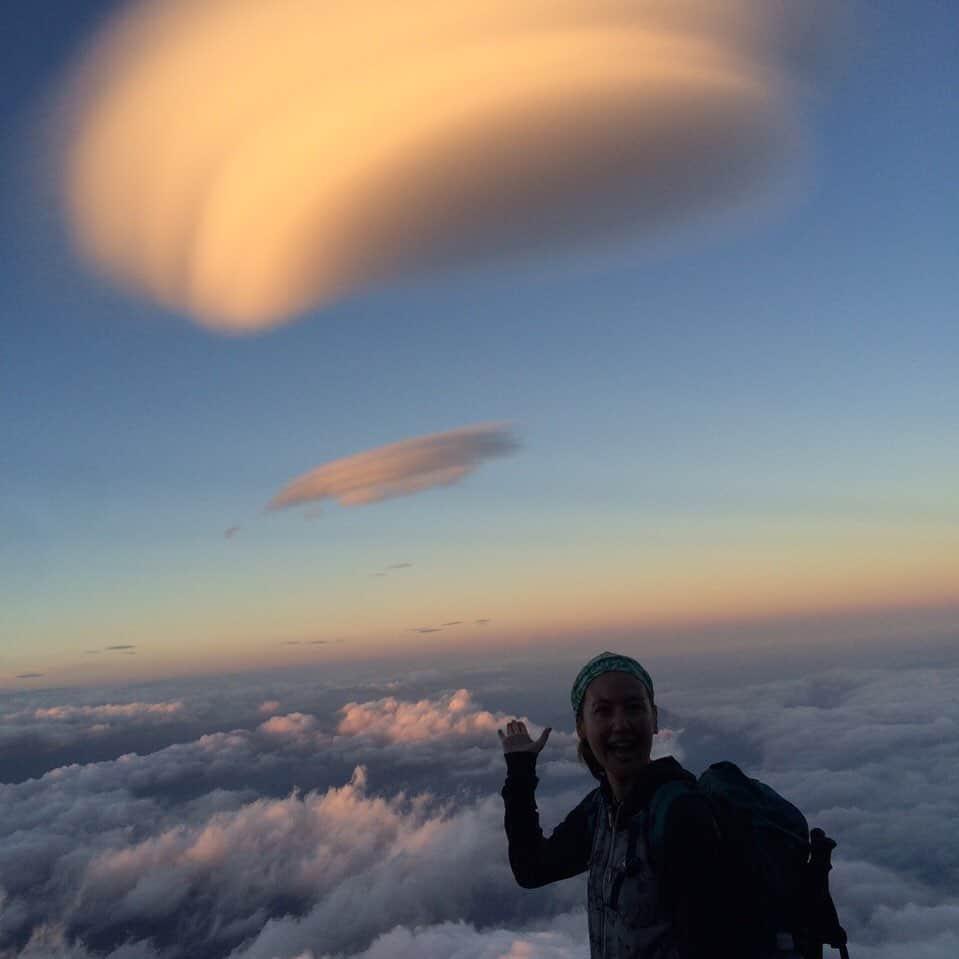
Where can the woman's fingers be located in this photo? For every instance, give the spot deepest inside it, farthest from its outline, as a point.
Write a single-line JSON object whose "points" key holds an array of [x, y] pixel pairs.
{"points": [[517, 739]]}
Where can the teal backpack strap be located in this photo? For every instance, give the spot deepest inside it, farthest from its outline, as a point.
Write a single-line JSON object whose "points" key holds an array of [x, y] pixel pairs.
{"points": [[656, 822]]}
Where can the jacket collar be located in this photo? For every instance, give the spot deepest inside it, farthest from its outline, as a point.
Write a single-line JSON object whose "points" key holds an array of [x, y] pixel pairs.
{"points": [[650, 778]]}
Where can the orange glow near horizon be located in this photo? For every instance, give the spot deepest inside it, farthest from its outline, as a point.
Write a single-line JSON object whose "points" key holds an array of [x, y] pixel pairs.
{"points": [[813, 625], [668, 592]]}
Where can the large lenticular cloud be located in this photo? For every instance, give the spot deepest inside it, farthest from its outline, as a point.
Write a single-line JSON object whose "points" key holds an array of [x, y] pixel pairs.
{"points": [[241, 161]]}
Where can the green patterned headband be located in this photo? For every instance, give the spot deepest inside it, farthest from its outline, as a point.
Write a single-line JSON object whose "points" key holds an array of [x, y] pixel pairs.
{"points": [[606, 663]]}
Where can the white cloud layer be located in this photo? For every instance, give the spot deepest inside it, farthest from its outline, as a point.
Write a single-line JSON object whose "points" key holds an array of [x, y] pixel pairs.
{"points": [[566, 939], [328, 147], [182, 849], [63, 725], [222, 873], [392, 720], [871, 755], [110, 712], [399, 469]]}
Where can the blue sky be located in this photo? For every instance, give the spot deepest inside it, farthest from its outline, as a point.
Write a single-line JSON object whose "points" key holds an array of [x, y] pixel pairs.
{"points": [[737, 461], [777, 373]]}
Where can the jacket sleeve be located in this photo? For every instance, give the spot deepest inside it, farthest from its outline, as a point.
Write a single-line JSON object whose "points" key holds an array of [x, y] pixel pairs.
{"points": [[694, 880], [534, 859]]}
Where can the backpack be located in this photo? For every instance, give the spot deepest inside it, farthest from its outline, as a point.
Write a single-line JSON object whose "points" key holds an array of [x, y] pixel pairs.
{"points": [[777, 867]]}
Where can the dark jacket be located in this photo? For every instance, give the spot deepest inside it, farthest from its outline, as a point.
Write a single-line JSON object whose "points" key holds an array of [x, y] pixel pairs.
{"points": [[637, 910]]}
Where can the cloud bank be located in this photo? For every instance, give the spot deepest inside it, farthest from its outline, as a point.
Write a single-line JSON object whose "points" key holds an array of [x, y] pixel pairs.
{"points": [[328, 147], [399, 469], [104, 856], [258, 843], [44, 728], [109, 711], [392, 720], [564, 940]]}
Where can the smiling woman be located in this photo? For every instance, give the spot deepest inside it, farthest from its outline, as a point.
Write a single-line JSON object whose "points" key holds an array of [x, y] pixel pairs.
{"points": [[616, 722], [639, 907]]}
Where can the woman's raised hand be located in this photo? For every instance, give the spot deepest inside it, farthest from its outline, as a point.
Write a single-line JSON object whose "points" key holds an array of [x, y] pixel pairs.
{"points": [[517, 739]]}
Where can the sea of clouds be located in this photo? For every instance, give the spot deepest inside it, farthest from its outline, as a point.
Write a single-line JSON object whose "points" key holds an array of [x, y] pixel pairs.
{"points": [[308, 817]]}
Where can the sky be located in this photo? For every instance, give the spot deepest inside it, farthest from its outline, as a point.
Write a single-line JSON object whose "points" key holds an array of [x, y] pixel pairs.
{"points": [[363, 373], [665, 342]]}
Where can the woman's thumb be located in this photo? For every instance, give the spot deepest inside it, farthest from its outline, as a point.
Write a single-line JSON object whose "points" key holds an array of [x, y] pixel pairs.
{"points": [[543, 736]]}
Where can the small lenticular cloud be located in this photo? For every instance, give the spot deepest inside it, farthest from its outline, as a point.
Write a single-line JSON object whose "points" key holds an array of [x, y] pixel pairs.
{"points": [[399, 469], [320, 154], [29, 675]]}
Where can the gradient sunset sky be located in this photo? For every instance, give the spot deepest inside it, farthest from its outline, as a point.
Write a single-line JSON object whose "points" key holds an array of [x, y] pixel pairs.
{"points": [[742, 405]]}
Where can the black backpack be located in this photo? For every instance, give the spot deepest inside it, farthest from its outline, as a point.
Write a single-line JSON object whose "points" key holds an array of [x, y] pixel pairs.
{"points": [[780, 870]]}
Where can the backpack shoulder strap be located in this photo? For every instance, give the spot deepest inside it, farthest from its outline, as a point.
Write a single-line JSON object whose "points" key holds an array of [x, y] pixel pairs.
{"points": [[658, 810]]}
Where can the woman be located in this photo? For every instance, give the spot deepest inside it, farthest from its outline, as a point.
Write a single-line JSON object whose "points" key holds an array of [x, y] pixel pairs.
{"points": [[639, 907]]}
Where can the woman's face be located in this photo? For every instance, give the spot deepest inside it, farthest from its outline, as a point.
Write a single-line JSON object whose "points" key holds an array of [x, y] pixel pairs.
{"points": [[618, 722]]}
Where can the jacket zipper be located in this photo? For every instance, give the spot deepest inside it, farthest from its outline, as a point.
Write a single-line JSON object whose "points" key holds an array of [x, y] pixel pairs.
{"points": [[607, 874]]}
